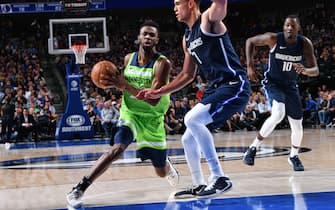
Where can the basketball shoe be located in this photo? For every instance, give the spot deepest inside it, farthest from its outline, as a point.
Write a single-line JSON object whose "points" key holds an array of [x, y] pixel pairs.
{"points": [[296, 163], [249, 156], [218, 186], [173, 175], [189, 192], [74, 198]]}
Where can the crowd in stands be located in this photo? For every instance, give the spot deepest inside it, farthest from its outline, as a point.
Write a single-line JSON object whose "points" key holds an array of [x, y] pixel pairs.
{"points": [[27, 104], [26, 110]]}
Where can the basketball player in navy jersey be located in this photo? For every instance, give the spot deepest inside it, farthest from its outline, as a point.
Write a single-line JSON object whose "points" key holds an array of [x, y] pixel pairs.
{"points": [[208, 48], [291, 54]]}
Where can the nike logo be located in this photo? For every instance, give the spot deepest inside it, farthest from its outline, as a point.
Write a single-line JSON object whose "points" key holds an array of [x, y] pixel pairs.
{"points": [[233, 83], [281, 47]]}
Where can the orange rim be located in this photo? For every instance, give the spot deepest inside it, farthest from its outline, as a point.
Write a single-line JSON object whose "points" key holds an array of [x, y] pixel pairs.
{"points": [[78, 47]]}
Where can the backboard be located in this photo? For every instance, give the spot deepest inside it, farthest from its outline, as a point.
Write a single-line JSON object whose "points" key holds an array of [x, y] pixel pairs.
{"points": [[69, 31]]}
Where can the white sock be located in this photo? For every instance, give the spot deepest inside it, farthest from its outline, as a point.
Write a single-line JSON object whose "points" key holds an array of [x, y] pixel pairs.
{"points": [[256, 143], [294, 151]]}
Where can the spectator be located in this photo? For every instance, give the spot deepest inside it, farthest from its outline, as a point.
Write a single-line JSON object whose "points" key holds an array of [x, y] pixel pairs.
{"points": [[331, 109], [25, 125], [46, 124], [109, 116], [322, 111], [89, 110], [253, 102], [264, 110], [192, 90], [324, 63], [310, 111], [248, 119], [8, 111], [173, 122], [97, 124]]}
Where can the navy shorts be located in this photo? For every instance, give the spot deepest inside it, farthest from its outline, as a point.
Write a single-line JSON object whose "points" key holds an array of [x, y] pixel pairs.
{"points": [[289, 95], [157, 156], [226, 99]]}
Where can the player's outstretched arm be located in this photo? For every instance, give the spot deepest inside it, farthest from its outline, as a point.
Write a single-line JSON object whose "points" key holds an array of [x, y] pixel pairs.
{"points": [[182, 79]]}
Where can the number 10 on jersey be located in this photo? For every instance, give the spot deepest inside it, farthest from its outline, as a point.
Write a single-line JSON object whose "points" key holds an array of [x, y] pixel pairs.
{"points": [[287, 66]]}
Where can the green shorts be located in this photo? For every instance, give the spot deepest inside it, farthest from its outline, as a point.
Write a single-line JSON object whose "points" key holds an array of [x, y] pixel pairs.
{"points": [[148, 131]]}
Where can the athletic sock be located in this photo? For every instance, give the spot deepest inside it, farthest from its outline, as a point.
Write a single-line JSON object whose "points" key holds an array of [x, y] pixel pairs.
{"points": [[256, 143], [294, 151]]}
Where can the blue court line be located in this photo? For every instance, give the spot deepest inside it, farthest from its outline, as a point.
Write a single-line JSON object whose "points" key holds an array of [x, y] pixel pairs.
{"points": [[304, 201], [93, 156], [61, 143]]}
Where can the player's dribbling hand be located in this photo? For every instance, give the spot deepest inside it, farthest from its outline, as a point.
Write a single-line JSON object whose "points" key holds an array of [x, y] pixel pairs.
{"points": [[112, 80]]}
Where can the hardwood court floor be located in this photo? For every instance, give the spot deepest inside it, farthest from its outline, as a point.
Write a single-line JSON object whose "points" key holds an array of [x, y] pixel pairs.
{"points": [[37, 176]]}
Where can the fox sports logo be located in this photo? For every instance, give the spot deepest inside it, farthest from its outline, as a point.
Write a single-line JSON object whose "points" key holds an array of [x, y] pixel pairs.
{"points": [[75, 120]]}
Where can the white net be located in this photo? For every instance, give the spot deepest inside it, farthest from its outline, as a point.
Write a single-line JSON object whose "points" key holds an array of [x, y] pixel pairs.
{"points": [[79, 52]]}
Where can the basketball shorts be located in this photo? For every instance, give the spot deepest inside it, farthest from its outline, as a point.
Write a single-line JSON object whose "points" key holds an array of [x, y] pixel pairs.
{"points": [[226, 99], [289, 95]]}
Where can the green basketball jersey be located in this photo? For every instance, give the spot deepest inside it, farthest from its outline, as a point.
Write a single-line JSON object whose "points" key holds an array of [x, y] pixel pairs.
{"points": [[145, 121]]}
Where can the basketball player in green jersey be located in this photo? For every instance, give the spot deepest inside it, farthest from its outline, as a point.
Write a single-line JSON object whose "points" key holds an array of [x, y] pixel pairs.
{"points": [[139, 120]]}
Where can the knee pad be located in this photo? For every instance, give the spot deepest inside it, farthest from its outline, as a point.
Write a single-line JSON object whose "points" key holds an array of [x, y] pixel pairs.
{"points": [[277, 112], [189, 118], [198, 115]]}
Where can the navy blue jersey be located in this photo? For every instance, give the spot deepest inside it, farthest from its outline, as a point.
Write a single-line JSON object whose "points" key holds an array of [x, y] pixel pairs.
{"points": [[214, 54], [281, 70]]}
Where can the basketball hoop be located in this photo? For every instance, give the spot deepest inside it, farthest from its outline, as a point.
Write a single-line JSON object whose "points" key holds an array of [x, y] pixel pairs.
{"points": [[80, 52]]}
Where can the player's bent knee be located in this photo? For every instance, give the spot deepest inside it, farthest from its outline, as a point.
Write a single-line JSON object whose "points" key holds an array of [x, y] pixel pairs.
{"points": [[278, 116], [192, 119], [161, 172], [188, 119], [278, 112]]}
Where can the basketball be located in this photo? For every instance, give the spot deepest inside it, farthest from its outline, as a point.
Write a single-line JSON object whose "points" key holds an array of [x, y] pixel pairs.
{"points": [[103, 67]]}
